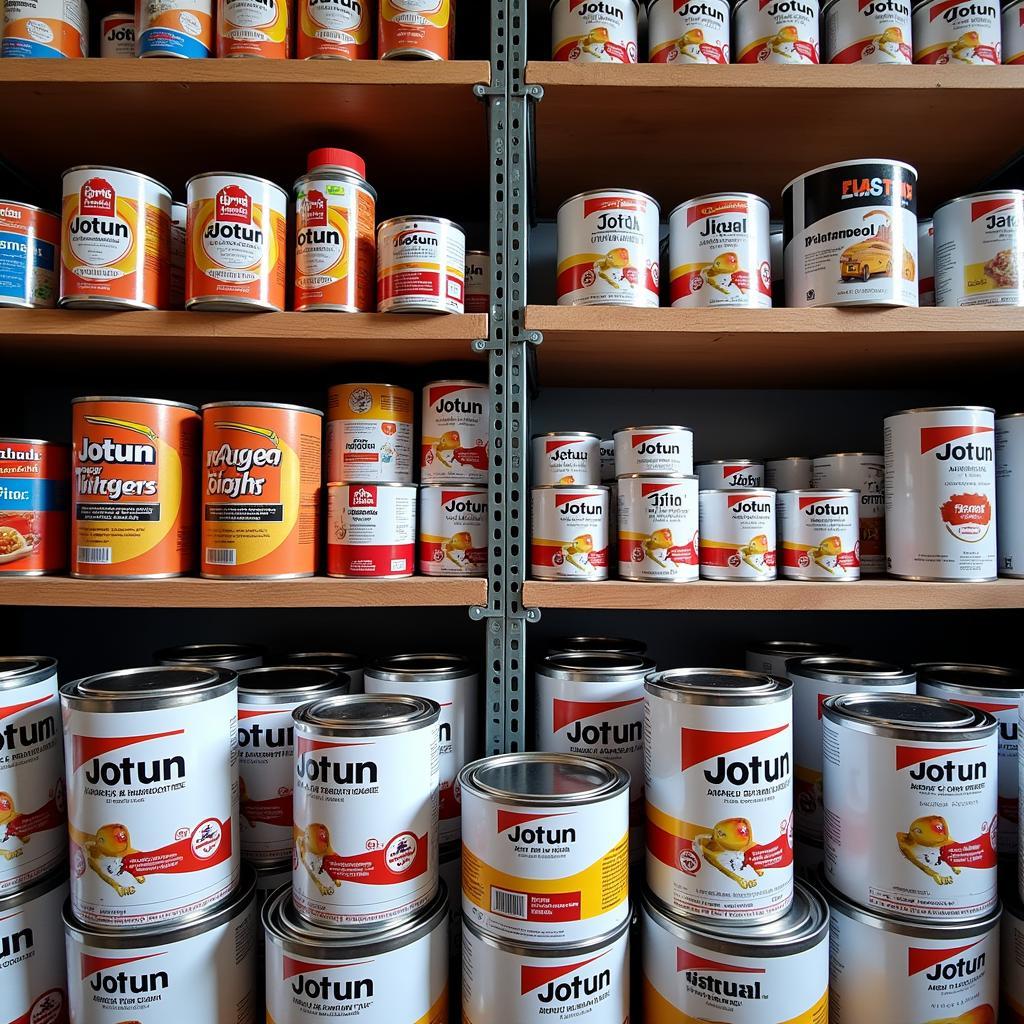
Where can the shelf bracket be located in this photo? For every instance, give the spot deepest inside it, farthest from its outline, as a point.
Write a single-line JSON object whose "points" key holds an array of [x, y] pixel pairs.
{"points": [[533, 337]]}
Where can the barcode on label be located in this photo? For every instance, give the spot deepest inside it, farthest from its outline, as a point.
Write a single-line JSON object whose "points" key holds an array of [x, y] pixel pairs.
{"points": [[508, 904], [220, 556], [94, 556]]}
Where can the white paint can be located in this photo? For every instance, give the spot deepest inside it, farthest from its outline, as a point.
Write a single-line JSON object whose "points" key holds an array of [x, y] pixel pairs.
{"points": [[1013, 45], [658, 528], [773, 656], [940, 493], [509, 982], [152, 774], [951, 32], [1011, 944], [1010, 494], [213, 655], [926, 260], [450, 871], [819, 535], [665, 449], [455, 420], [776, 971], [867, 32], [453, 530], [371, 530], [790, 473], [369, 433], [607, 451], [366, 808], [454, 684], [570, 533], [814, 680], [421, 266], [719, 251], [33, 808], [688, 31], [910, 805], [608, 247], [478, 281], [565, 457], [718, 752], [737, 535], [979, 250], [594, 31], [851, 235], [729, 474], [776, 32], [545, 846], [863, 472], [350, 665]]}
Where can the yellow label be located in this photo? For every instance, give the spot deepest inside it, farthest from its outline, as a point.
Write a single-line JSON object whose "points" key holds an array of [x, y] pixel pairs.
{"points": [[658, 1010]]}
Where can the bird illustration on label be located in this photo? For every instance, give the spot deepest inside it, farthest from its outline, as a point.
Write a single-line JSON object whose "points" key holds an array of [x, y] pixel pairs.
{"points": [[19, 827], [929, 847]]}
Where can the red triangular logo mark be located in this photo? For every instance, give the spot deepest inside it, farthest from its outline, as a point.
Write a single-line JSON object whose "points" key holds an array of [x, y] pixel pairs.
{"points": [[914, 755], [534, 977], [564, 712], [699, 745], [921, 959], [291, 967], [92, 964], [304, 745], [13, 709], [639, 439], [509, 819], [686, 961], [242, 715], [85, 748], [932, 437]]}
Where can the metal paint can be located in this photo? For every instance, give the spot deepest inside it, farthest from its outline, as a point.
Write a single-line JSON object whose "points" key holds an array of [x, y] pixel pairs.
{"points": [[607, 452], [453, 530], [819, 535], [33, 506], [335, 29], [1009, 494], [926, 261], [570, 533], [791, 473], [688, 33], [45, 28], [371, 530], [870, 33], [659, 449], [117, 34], [737, 535], [957, 33], [29, 256], [776, 32], [772, 656], [421, 264], [863, 472], [416, 29], [658, 537], [592, 644], [174, 28], [176, 271], [231, 656], [338, 661], [478, 281], [369, 433], [594, 31], [1013, 45], [730, 474], [565, 457], [455, 417], [246, 29]]}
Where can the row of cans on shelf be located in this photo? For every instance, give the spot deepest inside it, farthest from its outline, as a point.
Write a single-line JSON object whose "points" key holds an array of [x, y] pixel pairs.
{"points": [[121, 242], [308, 29], [795, 32], [850, 236]]}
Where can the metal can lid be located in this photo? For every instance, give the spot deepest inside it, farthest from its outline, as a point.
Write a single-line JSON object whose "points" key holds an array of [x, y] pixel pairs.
{"points": [[1001, 416], [654, 426], [138, 401], [21, 669], [790, 458], [849, 455], [465, 382], [969, 679], [718, 686], [54, 879], [831, 669], [570, 487], [367, 714], [271, 684], [208, 653], [536, 778], [594, 666], [540, 950], [286, 406], [1008, 193], [338, 660], [815, 491], [906, 715], [171, 684], [424, 218], [942, 408], [802, 927], [670, 477], [432, 667], [730, 462], [566, 433], [626, 645], [794, 648]]}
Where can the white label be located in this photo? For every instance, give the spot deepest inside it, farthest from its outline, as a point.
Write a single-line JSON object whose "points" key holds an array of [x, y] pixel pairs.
{"points": [[737, 535], [456, 421], [371, 451], [1010, 495], [658, 529], [594, 32], [741, 475], [776, 32], [866, 474], [570, 534], [819, 535], [566, 460], [653, 450]]}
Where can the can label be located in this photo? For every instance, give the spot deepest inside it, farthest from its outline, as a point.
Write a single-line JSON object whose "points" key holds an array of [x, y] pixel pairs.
{"points": [[478, 282], [365, 827], [456, 420], [371, 530], [820, 535], [740, 475], [1009, 494], [585, 32], [335, 28], [658, 529], [868, 32], [33, 507], [926, 260], [254, 28], [453, 531], [566, 459], [133, 487], [335, 243], [261, 491], [421, 266], [570, 533], [177, 28], [948, 31], [117, 35], [1013, 39], [687, 32], [719, 784], [737, 535], [1011, 975], [668, 452], [369, 433], [788, 474], [29, 244], [424, 26], [152, 811], [866, 474], [45, 28], [776, 31], [179, 221]]}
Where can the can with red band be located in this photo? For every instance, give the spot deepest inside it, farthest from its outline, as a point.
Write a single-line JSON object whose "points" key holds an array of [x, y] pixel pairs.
{"points": [[371, 530], [570, 533], [737, 535], [950, 32], [421, 266], [453, 530], [455, 418], [819, 534], [658, 528]]}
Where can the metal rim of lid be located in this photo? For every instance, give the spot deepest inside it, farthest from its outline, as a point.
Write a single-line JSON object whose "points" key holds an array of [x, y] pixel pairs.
{"points": [[1002, 416], [802, 927], [322, 716], [679, 428], [852, 163], [258, 686], [941, 408], [184, 684], [426, 218], [616, 780], [119, 170], [594, 666], [335, 171], [749, 491], [18, 670], [463, 489], [170, 403], [340, 661], [553, 3], [566, 433], [208, 653], [570, 487], [370, 384], [795, 648], [1015, 193], [720, 197], [264, 182], [34, 440], [820, 490], [30, 206], [336, 484], [944, 673], [718, 686], [830, 668], [285, 406], [53, 879], [790, 458], [730, 462], [674, 477], [848, 710], [607, 191], [287, 929], [433, 666], [540, 950], [462, 381], [164, 933], [623, 644], [849, 455]]}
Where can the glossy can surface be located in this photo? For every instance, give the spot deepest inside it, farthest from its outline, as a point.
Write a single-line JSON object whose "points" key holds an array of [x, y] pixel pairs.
{"points": [[33, 506], [29, 256]]}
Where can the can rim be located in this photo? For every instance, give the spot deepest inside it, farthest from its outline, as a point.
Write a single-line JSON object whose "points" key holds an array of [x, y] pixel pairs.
{"points": [[657, 476], [842, 710], [730, 462], [619, 664], [820, 490], [371, 483], [179, 654], [570, 487], [843, 455], [30, 206], [243, 177], [539, 950], [35, 668], [1003, 416], [616, 779], [623, 644], [942, 408], [315, 716], [322, 682], [739, 490], [198, 683], [453, 483], [652, 426], [675, 684], [286, 406], [566, 433], [796, 648], [825, 668], [856, 160], [926, 671], [790, 458], [455, 380], [615, 191], [345, 661], [33, 440], [140, 401], [447, 666], [430, 218], [120, 170], [1016, 193], [368, 384], [726, 195], [335, 170], [53, 879], [551, 5]]}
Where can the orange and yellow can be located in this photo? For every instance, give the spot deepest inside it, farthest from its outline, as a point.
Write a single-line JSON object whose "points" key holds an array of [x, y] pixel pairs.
{"points": [[248, 29], [33, 506], [335, 29], [416, 29]]}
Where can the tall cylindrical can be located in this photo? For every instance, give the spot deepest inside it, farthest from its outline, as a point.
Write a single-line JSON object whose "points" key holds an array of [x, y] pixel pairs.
{"points": [[718, 754], [658, 528], [562, 457], [594, 33], [772, 657], [737, 535], [661, 449], [31, 267], [421, 265], [34, 479], [940, 493], [863, 472], [366, 809], [416, 29], [369, 433], [329, 29], [688, 33], [569, 539], [232, 656], [791, 473], [478, 281], [117, 34], [453, 530], [455, 419], [342, 662], [819, 534], [371, 530], [246, 29], [956, 33], [729, 474], [867, 33], [1009, 494], [45, 28], [174, 28], [776, 32]]}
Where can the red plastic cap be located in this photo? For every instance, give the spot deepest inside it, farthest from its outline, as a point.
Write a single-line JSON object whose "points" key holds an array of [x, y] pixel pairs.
{"points": [[336, 158]]}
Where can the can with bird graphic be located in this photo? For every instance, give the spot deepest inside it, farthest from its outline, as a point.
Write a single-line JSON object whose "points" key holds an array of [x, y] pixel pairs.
{"points": [[658, 522], [570, 532], [737, 535], [688, 31], [453, 530], [867, 33], [819, 534], [455, 419]]}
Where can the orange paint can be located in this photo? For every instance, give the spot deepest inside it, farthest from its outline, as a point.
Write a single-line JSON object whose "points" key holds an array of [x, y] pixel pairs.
{"points": [[133, 477], [334, 29], [416, 29], [261, 490], [254, 28]]}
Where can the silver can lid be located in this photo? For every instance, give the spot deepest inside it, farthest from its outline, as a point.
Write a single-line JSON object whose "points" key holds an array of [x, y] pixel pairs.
{"points": [[431, 667], [340, 661], [539, 779], [625, 645], [208, 654], [972, 680], [722, 686], [908, 716], [272, 684], [850, 670], [22, 669], [594, 666], [793, 648], [367, 714], [153, 686]]}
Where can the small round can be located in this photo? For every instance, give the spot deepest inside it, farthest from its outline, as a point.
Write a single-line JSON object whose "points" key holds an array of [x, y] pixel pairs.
{"points": [[851, 234], [934, 970], [594, 32], [392, 974], [236, 244], [979, 250], [416, 29], [790, 473], [863, 472], [453, 530], [737, 535], [1011, 945], [174, 28], [366, 809], [176, 270], [261, 490], [152, 774], [30, 240], [773, 656], [117, 34], [758, 972], [246, 29], [956, 33], [200, 970], [371, 530], [776, 32], [545, 846], [608, 247], [659, 449], [510, 982], [133, 479], [1000, 692], [719, 251], [926, 261], [335, 29], [338, 661], [909, 788], [34, 478], [569, 538], [478, 281], [231, 656], [940, 493], [455, 419], [1009, 494], [565, 457], [369, 433], [1013, 53], [658, 528], [267, 696], [688, 33], [819, 534], [115, 239], [45, 28], [867, 33], [730, 474], [718, 754], [591, 644], [814, 679], [421, 265], [452, 683], [32, 961], [33, 809]]}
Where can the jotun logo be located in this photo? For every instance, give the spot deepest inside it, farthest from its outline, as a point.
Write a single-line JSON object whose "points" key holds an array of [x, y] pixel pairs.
{"points": [[545, 981]]}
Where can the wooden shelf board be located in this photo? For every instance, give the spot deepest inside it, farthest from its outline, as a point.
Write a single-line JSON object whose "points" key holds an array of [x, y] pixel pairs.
{"points": [[270, 340], [780, 596], [315, 592], [604, 345], [679, 132]]}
